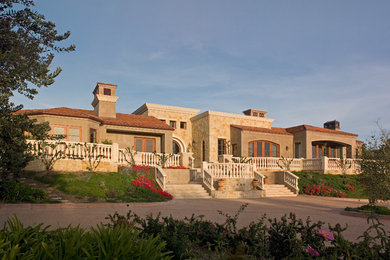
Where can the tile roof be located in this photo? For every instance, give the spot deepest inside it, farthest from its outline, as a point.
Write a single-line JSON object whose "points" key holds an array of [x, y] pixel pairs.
{"points": [[120, 120], [317, 129], [273, 130]]}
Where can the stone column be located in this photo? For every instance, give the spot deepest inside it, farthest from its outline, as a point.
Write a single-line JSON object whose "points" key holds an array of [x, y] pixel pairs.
{"points": [[114, 153], [185, 160]]}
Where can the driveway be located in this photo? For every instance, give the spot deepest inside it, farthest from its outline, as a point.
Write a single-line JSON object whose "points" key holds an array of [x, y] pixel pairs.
{"points": [[86, 215]]}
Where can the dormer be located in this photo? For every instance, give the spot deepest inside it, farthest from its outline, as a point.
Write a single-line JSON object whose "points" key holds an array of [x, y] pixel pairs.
{"points": [[104, 100]]}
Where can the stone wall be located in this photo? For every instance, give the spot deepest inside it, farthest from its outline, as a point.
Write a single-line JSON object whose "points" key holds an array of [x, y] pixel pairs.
{"points": [[71, 166], [237, 188]]}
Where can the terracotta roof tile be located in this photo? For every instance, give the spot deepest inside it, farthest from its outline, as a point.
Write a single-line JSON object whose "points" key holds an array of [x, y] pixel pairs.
{"points": [[120, 120], [273, 130], [317, 129]]}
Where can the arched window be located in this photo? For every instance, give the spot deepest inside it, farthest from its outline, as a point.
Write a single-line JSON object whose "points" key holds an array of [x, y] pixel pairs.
{"points": [[175, 148], [263, 149]]}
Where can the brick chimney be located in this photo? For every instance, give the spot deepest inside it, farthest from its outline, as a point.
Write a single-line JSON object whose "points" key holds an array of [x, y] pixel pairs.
{"points": [[104, 100], [334, 125], [255, 112]]}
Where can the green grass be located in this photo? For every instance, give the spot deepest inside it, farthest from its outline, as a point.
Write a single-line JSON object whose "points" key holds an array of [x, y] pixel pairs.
{"points": [[380, 210], [337, 182], [112, 187]]}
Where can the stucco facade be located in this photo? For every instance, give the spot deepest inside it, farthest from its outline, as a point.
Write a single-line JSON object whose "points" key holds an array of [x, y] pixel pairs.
{"points": [[161, 128]]}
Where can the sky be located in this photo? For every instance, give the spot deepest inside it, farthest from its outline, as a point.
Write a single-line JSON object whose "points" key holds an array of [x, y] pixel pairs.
{"points": [[303, 61]]}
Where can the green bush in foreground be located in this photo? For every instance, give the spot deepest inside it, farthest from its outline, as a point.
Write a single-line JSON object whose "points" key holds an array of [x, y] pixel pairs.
{"points": [[284, 238], [35, 242], [381, 210], [12, 192]]}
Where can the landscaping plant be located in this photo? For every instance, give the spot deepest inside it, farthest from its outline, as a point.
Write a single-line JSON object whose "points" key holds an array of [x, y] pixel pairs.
{"points": [[274, 238]]}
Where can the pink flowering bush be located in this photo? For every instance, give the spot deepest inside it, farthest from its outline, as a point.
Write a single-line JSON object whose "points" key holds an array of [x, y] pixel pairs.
{"points": [[144, 182]]}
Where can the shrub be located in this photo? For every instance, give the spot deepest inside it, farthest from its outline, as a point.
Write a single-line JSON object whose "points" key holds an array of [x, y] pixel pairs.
{"points": [[284, 238], [143, 182], [35, 242], [322, 190], [20, 192]]}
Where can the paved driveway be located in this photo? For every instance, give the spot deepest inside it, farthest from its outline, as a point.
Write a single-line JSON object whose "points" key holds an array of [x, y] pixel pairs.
{"points": [[318, 208]]}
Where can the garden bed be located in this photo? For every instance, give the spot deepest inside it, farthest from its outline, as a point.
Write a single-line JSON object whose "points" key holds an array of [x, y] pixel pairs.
{"points": [[318, 184], [128, 185]]}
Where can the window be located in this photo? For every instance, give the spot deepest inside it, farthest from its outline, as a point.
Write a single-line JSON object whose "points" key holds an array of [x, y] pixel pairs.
{"points": [[263, 149], [59, 130], [221, 146], [92, 135], [298, 150], [70, 133], [321, 149], [183, 125], [74, 134], [172, 124], [175, 148], [145, 145], [107, 91]]}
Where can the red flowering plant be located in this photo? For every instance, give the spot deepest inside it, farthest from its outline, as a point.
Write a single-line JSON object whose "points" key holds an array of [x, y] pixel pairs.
{"points": [[322, 190], [144, 183], [349, 187]]}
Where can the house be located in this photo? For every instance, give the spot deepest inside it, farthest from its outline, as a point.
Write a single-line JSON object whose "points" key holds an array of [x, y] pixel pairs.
{"points": [[141, 132], [208, 135]]}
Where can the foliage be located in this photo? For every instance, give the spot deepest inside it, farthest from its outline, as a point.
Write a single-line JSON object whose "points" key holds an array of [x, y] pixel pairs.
{"points": [[37, 242], [381, 210], [106, 141], [322, 190], [344, 165], [13, 147], [284, 163], [49, 151], [348, 184], [375, 167], [12, 192], [27, 44], [163, 158], [114, 186], [145, 183], [129, 156], [284, 238], [92, 156], [242, 159]]}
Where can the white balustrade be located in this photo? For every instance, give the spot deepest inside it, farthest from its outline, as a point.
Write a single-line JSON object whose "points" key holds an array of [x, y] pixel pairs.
{"points": [[231, 170], [260, 177], [161, 177], [291, 180], [208, 179]]}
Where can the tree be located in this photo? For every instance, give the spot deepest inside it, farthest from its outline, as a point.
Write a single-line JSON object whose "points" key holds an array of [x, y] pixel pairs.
{"points": [[27, 46], [375, 167], [27, 43], [13, 146]]}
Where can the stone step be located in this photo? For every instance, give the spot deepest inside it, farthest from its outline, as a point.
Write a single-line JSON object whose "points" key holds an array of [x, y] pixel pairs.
{"points": [[278, 190], [187, 191]]}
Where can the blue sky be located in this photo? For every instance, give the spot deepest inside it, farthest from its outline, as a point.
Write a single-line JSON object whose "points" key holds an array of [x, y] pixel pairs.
{"points": [[306, 62]]}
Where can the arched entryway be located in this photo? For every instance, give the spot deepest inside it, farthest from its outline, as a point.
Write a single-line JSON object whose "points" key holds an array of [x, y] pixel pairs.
{"points": [[177, 145]]}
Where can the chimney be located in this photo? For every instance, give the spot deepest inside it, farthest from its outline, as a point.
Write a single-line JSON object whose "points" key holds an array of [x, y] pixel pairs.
{"points": [[334, 125], [255, 112], [104, 100]]}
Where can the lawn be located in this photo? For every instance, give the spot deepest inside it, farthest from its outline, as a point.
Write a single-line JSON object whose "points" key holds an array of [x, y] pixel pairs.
{"points": [[111, 187], [337, 182]]}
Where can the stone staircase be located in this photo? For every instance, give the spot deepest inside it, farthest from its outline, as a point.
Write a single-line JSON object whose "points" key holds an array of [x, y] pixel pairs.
{"points": [[277, 190], [187, 191]]}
